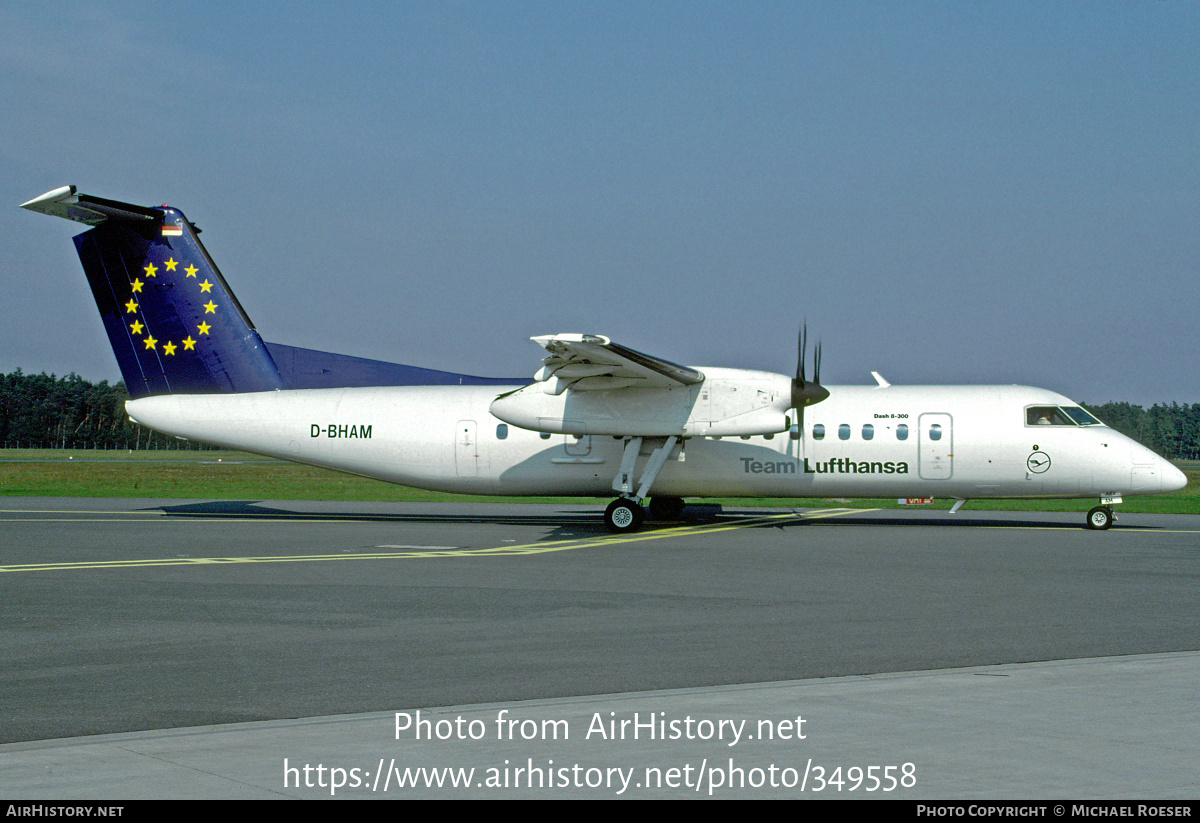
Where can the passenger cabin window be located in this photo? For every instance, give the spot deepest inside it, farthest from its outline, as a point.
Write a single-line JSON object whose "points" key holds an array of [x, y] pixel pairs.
{"points": [[902, 431], [844, 431], [868, 431], [501, 431], [935, 431], [819, 431]]}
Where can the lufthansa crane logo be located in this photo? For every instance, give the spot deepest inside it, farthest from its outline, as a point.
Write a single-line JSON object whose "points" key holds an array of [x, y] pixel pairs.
{"points": [[1037, 462]]}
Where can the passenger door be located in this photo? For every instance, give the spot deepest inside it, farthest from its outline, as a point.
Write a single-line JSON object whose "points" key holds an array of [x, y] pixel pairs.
{"points": [[935, 455]]}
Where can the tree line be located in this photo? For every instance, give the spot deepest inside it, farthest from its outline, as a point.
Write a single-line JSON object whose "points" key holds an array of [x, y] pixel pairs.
{"points": [[41, 411], [1172, 430], [46, 412]]}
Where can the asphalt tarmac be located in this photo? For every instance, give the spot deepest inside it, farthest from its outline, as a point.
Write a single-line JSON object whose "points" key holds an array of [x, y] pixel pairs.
{"points": [[144, 616]]}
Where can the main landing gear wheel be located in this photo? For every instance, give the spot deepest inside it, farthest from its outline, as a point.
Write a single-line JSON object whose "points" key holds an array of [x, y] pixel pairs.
{"points": [[1100, 517], [666, 508], [624, 516]]}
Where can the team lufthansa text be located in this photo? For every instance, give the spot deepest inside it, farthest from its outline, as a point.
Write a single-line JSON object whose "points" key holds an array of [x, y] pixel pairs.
{"points": [[838, 465]]}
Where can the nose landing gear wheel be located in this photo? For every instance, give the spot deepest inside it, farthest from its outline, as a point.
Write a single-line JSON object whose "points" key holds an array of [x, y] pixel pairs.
{"points": [[624, 516], [1100, 517]]}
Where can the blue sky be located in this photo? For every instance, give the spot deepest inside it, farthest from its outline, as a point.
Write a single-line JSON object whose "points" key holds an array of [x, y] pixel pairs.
{"points": [[948, 192]]}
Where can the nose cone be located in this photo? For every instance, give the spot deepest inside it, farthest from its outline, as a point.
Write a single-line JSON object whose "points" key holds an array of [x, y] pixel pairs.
{"points": [[1153, 474], [1155, 477], [1172, 478]]}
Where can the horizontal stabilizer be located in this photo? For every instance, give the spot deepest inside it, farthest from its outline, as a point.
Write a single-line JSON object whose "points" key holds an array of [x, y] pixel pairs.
{"points": [[67, 203]]}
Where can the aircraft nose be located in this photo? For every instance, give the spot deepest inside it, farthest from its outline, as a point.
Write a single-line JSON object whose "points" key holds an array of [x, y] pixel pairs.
{"points": [[1152, 474], [1172, 478]]}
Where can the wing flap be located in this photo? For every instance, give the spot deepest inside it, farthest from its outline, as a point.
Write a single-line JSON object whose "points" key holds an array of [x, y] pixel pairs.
{"points": [[592, 362]]}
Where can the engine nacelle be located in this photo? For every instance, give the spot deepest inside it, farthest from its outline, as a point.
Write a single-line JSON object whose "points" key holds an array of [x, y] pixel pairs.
{"points": [[730, 402]]}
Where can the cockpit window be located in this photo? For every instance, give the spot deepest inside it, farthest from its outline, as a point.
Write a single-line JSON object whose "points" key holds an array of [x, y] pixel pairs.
{"points": [[1059, 416], [1082, 416]]}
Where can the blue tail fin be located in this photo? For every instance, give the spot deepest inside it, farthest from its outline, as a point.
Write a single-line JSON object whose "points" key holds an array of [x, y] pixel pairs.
{"points": [[173, 323]]}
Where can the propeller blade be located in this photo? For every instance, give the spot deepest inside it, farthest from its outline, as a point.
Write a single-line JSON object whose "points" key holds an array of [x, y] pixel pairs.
{"points": [[804, 392], [802, 351]]}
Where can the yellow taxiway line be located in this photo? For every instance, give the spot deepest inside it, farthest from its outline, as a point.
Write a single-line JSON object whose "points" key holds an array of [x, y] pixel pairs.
{"points": [[543, 547]]}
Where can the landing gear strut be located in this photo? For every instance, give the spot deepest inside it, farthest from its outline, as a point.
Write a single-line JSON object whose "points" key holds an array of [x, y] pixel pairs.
{"points": [[625, 514], [1100, 518]]}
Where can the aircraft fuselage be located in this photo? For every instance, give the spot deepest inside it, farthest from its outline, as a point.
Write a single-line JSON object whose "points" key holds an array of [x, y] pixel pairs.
{"points": [[902, 441]]}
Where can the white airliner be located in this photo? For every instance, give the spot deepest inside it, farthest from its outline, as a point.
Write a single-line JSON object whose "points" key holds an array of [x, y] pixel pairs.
{"points": [[598, 418]]}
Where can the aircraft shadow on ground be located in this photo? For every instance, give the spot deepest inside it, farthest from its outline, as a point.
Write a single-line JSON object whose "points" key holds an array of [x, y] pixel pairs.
{"points": [[241, 509], [562, 521]]}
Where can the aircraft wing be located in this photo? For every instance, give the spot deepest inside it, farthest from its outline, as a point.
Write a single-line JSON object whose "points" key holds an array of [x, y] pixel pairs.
{"points": [[592, 362]]}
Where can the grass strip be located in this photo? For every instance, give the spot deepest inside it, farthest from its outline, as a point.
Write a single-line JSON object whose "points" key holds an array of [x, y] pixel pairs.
{"points": [[226, 475]]}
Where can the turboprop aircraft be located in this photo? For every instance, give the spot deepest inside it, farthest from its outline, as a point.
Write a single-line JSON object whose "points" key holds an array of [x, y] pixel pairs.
{"points": [[596, 418]]}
